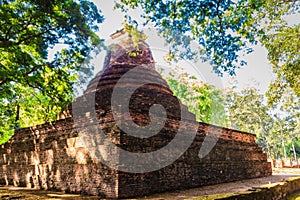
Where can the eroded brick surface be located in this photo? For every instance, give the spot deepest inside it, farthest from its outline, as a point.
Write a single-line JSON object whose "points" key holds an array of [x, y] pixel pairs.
{"points": [[52, 156]]}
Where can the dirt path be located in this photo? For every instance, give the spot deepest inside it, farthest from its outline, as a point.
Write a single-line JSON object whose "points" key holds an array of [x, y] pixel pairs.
{"points": [[199, 193], [225, 188]]}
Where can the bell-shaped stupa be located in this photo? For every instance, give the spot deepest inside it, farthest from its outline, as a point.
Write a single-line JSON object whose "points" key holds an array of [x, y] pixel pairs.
{"points": [[128, 136]]}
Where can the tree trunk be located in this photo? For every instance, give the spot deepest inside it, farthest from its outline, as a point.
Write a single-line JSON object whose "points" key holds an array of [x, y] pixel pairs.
{"points": [[284, 149], [17, 125], [295, 155]]}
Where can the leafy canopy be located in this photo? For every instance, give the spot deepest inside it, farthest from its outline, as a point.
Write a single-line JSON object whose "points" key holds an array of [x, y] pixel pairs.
{"points": [[282, 40], [225, 28], [28, 30], [204, 100], [221, 28], [248, 111]]}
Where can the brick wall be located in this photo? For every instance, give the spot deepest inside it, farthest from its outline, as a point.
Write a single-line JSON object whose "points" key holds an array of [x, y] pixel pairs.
{"points": [[236, 156], [54, 156], [49, 157]]}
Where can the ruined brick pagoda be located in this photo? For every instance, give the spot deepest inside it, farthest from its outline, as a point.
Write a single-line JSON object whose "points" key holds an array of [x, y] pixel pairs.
{"points": [[54, 156]]}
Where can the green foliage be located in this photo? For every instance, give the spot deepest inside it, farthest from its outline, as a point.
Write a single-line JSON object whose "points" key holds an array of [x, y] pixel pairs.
{"points": [[248, 111], [282, 40], [224, 28], [135, 35], [290, 151], [221, 28], [202, 99], [33, 87]]}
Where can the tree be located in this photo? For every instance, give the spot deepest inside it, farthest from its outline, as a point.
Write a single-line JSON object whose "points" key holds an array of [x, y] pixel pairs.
{"points": [[221, 28], [28, 30], [289, 107], [282, 40], [204, 100], [247, 112], [276, 127]]}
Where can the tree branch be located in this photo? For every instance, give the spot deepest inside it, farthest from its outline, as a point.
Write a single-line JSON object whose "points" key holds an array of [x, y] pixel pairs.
{"points": [[5, 80]]}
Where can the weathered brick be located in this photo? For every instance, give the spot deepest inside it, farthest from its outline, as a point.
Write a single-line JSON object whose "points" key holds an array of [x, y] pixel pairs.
{"points": [[52, 155]]}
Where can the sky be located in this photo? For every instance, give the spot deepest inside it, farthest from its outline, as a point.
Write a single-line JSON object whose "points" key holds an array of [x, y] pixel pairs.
{"points": [[257, 73]]}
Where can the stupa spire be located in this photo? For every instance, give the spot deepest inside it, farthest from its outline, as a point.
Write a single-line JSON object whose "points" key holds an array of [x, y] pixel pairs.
{"points": [[128, 48]]}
